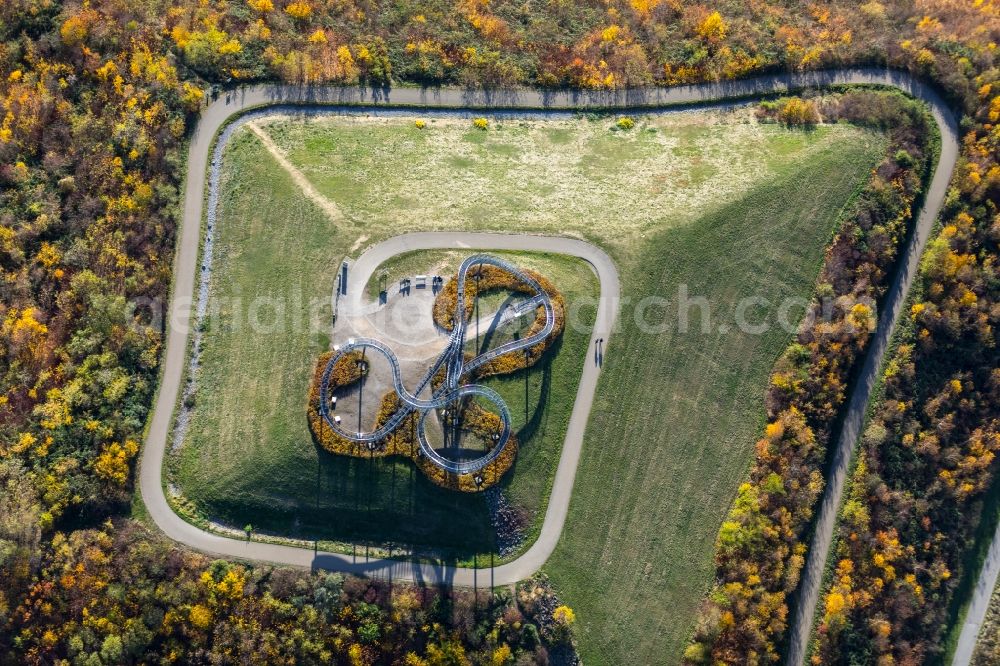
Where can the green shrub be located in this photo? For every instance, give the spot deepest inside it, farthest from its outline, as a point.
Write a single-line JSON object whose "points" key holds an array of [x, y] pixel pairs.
{"points": [[904, 159], [797, 111]]}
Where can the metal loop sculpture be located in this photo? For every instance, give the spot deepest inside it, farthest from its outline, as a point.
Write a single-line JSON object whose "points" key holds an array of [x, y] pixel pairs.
{"points": [[456, 367]]}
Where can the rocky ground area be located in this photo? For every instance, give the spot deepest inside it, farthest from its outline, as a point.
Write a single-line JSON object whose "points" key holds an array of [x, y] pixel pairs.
{"points": [[509, 522]]}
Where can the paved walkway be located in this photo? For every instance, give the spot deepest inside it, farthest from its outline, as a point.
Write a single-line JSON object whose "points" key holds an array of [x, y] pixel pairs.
{"points": [[233, 103], [979, 605], [808, 596]]}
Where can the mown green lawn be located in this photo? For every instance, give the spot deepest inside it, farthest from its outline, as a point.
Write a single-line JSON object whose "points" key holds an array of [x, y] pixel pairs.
{"points": [[249, 457], [709, 200], [672, 431]]}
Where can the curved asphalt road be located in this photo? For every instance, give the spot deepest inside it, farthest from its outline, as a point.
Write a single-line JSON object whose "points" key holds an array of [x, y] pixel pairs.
{"points": [[808, 592], [980, 603], [232, 103]]}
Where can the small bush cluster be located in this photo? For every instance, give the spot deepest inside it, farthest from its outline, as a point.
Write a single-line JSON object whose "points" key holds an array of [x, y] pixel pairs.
{"points": [[625, 123], [797, 111], [554, 619], [347, 371], [790, 111]]}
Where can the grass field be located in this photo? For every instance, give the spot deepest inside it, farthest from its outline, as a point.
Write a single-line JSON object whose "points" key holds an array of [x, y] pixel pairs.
{"points": [[540, 421], [270, 474], [710, 200]]}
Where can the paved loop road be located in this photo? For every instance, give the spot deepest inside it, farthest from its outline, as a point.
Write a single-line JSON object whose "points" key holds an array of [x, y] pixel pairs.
{"points": [[979, 603], [232, 103]]}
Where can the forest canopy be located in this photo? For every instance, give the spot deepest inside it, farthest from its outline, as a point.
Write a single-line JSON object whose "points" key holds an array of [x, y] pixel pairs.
{"points": [[96, 102]]}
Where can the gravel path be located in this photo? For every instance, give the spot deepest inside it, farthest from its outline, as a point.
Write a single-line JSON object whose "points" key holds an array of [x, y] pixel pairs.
{"points": [[979, 605]]}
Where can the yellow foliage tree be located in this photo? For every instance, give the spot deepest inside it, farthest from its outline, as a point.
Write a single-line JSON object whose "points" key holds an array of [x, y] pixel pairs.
{"points": [[797, 111], [712, 28], [299, 10], [564, 615]]}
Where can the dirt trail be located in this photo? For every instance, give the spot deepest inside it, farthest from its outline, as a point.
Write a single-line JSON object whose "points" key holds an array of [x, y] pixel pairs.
{"points": [[328, 207]]}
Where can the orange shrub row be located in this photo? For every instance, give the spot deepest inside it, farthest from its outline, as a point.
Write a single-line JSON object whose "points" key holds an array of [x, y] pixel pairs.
{"points": [[403, 440], [492, 279]]}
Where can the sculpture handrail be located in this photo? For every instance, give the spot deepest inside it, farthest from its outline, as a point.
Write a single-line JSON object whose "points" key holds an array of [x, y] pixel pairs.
{"points": [[453, 358]]}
